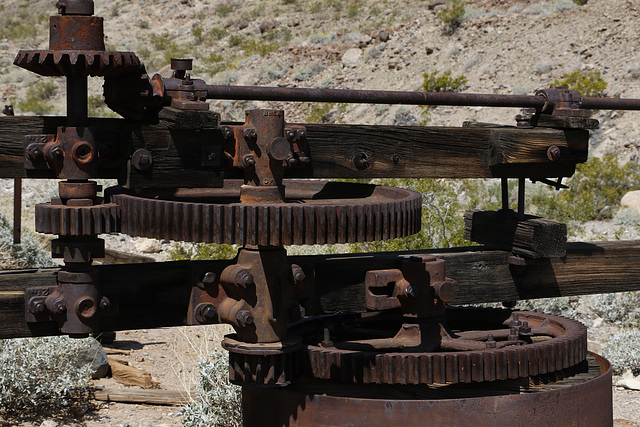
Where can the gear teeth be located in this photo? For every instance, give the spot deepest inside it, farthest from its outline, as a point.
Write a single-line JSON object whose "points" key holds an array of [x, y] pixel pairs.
{"points": [[77, 221]]}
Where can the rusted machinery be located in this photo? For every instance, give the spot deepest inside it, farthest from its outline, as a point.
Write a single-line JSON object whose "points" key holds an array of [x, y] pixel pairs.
{"points": [[390, 349]]}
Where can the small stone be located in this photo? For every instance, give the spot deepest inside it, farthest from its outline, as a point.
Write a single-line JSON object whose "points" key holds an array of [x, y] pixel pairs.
{"points": [[49, 423], [242, 25], [429, 51], [383, 36], [148, 246], [631, 200], [594, 347], [393, 65], [267, 24], [351, 57], [629, 383], [294, 23]]}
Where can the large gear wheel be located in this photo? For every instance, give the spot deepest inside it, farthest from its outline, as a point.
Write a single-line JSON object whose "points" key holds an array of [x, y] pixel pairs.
{"points": [[555, 344], [57, 63], [314, 212]]}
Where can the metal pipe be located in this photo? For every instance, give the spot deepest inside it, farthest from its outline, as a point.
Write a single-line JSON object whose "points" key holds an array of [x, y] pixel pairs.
{"points": [[17, 210], [610, 104], [521, 185], [371, 96], [505, 193]]}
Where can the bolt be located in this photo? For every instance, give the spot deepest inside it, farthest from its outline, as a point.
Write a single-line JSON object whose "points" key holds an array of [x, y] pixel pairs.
{"points": [[211, 156], [206, 313], [396, 159], [302, 133], [411, 291], [33, 152], [516, 322], [59, 307], [291, 134], [247, 161], [105, 303], [326, 341], [209, 278], [144, 160], [491, 342], [298, 273], [291, 161], [553, 153], [227, 132], [244, 278], [525, 329], [513, 334], [56, 152], [244, 318], [361, 161], [250, 134], [37, 307]]}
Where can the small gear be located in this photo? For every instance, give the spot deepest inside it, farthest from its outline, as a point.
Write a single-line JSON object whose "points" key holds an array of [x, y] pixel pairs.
{"points": [[67, 220]]}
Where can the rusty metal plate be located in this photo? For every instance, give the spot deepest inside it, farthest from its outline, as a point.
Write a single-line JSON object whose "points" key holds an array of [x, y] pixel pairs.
{"points": [[584, 399]]}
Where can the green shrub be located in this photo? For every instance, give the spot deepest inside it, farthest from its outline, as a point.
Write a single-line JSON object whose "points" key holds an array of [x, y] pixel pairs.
{"points": [[436, 82], [38, 97], [621, 309], [580, 2], [218, 402], [224, 10], [325, 112], [202, 251], [588, 83], [452, 15], [594, 191], [622, 352], [169, 48], [39, 377], [144, 25]]}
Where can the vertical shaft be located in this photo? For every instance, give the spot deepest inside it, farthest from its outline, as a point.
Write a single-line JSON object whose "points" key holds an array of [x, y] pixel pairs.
{"points": [[505, 194], [77, 107], [17, 210], [521, 183]]}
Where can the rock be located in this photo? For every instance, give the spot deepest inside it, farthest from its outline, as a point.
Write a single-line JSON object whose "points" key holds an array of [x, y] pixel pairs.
{"points": [[629, 383], [267, 24], [294, 23], [351, 57], [383, 36], [148, 246], [393, 65], [242, 25], [96, 357], [631, 200], [429, 51], [49, 423]]}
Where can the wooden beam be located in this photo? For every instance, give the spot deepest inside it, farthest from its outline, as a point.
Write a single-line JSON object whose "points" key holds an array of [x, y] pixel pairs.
{"points": [[149, 397], [392, 151], [157, 295]]}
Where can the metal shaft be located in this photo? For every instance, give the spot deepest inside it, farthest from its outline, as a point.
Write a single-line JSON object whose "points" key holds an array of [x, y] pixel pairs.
{"points": [[77, 107], [371, 96]]}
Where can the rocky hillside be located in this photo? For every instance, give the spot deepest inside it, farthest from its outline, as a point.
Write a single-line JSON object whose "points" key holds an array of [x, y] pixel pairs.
{"points": [[505, 47]]}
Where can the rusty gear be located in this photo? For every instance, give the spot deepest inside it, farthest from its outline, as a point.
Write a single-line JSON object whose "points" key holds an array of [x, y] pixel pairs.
{"points": [[314, 212], [77, 220], [75, 63], [262, 364], [559, 352]]}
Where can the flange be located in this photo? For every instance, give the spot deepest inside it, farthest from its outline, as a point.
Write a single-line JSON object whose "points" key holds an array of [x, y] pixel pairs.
{"points": [[314, 212]]}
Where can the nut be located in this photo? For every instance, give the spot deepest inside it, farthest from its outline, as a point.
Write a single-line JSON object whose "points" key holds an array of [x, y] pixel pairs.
{"points": [[37, 307], [250, 134], [206, 313], [298, 273], [244, 318], [553, 153], [105, 303], [209, 278]]}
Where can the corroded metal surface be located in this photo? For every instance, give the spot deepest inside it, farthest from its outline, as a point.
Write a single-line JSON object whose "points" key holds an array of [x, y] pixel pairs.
{"points": [[554, 343], [78, 63], [582, 399], [314, 212], [67, 220]]}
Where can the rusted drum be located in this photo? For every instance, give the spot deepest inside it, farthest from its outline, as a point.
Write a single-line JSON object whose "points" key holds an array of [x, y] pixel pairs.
{"points": [[583, 399]]}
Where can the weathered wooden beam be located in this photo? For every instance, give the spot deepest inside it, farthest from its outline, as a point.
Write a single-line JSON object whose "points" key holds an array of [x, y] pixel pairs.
{"points": [[530, 236], [390, 151], [156, 295]]}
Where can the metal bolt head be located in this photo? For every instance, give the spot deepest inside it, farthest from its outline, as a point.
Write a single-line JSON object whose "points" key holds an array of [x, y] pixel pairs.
{"points": [[227, 132], [301, 133], [105, 303], [411, 291], [142, 159], [57, 153], [290, 134], [211, 156], [59, 307], [244, 278], [298, 273], [491, 342], [244, 318], [206, 313], [37, 307], [250, 134], [553, 153], [209, 278], [247, 161], [33, 152]]}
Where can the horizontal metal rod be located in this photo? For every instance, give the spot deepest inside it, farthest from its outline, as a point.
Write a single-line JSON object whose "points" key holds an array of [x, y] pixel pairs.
{"points": [[256, 93], [610, 104]]}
